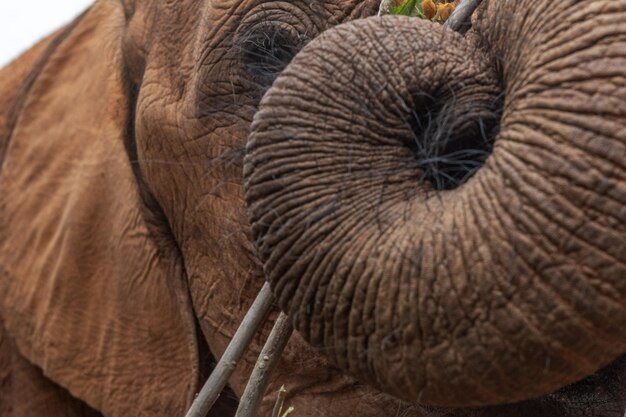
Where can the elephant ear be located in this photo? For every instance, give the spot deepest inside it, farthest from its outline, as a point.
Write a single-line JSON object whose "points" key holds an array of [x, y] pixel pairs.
{"points": [[90, 290]]}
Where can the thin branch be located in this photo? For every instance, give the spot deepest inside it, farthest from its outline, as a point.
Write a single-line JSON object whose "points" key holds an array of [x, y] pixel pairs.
{"points": [[219, 377], [268, 359], [280, 402], [289, 411], [461, 18], [384, 7]]}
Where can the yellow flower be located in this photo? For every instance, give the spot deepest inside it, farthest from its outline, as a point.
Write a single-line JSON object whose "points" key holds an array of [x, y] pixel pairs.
{"points": [[429, 10], [445, 10]]}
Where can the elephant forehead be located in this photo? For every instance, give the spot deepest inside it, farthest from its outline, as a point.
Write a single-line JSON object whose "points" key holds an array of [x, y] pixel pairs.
{"points": [[185, 31], [197, 97]]}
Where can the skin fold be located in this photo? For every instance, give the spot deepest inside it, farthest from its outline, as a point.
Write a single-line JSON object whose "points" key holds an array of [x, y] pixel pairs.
{"points": [[130, 249]]}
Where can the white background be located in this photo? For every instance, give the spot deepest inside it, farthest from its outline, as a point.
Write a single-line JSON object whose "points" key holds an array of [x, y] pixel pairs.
{"points": [[24, 22]]}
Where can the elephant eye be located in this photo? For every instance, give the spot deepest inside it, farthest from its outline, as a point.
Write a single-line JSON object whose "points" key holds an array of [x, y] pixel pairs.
{"points": [[267, 53]]}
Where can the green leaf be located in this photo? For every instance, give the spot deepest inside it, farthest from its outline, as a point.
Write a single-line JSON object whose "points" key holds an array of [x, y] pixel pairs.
{"points": [[405, 8]]}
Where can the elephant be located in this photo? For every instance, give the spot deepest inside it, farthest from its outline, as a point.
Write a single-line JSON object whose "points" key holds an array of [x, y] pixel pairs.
{"points": [[441, 215]]}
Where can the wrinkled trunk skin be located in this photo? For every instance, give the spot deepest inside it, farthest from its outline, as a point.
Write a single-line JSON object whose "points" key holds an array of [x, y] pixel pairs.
{"points": [[504, 288]]}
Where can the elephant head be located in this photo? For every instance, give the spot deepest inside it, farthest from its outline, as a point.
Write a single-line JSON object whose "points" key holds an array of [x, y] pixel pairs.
{"points": [[442, 217]]}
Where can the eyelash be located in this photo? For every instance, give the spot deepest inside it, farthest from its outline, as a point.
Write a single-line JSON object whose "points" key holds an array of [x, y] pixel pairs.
{"points": [[266, 54]]}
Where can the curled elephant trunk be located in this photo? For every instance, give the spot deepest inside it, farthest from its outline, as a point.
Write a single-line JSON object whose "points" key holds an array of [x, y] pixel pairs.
{"points": [[444, 217]]}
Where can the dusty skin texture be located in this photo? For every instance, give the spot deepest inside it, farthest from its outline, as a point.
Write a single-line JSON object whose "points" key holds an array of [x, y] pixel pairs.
{"points": [[124, 227], [26, 392]]}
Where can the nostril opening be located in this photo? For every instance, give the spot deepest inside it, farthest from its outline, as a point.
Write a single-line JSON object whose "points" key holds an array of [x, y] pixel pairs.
{"points": [[452, 136]]}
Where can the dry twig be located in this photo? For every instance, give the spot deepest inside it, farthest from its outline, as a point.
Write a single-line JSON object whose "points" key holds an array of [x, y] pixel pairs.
{"points": [[384, 7], [460, 19], [219, 377], [267, 361], [280, 401]]}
